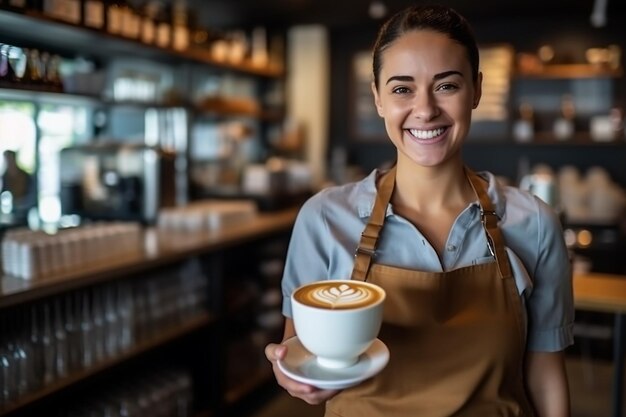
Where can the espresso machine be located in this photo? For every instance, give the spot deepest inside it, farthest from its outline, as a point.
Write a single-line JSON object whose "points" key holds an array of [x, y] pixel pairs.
{"points": [[117, 181]]}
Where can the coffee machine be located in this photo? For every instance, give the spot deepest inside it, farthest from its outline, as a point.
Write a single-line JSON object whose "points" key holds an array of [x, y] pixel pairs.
{"points": [[117, 181]]}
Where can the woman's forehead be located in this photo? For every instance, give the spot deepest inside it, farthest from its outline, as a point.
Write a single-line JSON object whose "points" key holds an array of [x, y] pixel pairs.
{"points": [[425, 49]]}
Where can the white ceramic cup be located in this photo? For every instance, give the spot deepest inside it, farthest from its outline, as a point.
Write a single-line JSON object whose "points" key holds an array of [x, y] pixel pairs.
{"points": [[337, 320]]}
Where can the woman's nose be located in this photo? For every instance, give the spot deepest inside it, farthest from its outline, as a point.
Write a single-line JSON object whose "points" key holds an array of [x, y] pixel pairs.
{"points": [[425, 106]]}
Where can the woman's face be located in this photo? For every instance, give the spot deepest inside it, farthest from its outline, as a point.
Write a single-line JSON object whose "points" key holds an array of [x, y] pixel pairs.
{"points": [[426, 96]]}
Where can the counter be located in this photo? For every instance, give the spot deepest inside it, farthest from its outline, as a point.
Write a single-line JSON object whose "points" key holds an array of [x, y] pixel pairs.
{"points": [[159, 248]]}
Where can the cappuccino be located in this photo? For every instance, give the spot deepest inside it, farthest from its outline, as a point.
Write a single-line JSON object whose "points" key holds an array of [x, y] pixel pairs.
{"points": [[339, 295], [337, 320]]}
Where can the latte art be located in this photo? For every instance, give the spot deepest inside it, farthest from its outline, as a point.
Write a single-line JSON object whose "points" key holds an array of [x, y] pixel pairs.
{"points": [[341, 296], [338, 296]]}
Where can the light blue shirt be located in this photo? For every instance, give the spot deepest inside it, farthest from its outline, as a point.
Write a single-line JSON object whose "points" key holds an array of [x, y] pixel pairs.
{"points": [[329, 225]]}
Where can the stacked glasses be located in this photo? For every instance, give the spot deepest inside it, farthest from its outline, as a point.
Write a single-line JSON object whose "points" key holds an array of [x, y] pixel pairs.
{"points": [[50, 339]]}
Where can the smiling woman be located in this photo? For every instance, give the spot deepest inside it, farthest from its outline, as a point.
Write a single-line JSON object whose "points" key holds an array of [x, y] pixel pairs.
{"points": [[464, 260]]}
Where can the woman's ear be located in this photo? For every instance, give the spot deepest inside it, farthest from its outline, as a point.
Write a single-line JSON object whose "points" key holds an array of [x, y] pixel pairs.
{"points": [[379, 107], [478, 90]]}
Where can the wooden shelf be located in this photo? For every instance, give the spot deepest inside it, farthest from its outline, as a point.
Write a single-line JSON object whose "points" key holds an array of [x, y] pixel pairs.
{"points": [[548, 140], [570, 71], [68, 38], [159, 248], [35, 95], [225, 109], [164, 337]]}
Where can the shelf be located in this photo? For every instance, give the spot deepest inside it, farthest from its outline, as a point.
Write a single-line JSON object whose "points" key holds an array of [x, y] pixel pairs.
{"points": [[69, 38], [35, 95], [159, 248], [548, 140], [570, 71], [225, 109], [164, 337]]}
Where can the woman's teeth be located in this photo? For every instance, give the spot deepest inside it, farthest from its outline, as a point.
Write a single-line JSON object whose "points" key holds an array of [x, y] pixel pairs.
{"points": [[426, 134]]}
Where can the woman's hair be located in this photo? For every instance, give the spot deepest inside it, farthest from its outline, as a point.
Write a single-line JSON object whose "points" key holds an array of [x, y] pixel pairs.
{"points": [[436, 18]]}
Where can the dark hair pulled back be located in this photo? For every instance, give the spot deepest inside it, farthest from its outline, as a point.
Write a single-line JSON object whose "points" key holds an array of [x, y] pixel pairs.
{"points": [[437, 18]]}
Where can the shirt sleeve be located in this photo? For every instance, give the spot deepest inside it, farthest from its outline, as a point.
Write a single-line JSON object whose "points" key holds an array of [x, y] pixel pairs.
{"points": [[550, 305], [307, 257]]}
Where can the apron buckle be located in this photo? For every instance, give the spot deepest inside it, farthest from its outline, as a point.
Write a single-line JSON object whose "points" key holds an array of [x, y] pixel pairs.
{"points": [[485, 213], [363, 251], [483, 220]]}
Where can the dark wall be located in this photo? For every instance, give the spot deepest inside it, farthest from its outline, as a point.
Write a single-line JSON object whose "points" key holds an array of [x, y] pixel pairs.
{"points": [[570, 37]]}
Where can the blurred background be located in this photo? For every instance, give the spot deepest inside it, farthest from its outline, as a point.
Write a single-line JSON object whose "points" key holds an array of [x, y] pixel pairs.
{"points": [[124, 124]]}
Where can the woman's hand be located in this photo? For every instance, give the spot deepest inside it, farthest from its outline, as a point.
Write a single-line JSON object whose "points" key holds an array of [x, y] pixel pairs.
{"points": [[307, 393]]}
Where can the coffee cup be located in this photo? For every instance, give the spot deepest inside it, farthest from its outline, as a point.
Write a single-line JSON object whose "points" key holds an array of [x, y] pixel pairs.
{"points": [[337, 320]]}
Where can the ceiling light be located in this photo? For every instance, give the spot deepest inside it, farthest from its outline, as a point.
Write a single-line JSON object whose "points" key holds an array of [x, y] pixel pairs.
{"points": [[598, 14], [377, 9]]}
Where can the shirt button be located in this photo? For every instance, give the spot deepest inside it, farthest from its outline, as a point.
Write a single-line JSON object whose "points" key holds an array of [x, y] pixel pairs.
{"points": [[451, 248]]}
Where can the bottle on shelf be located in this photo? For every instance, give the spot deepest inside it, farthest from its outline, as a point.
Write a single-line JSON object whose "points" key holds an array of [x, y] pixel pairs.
{"points": [[524, 126], [163, 27], [44, 60], [17, 64], [71, 11], [114, 17], [33, 74], [130, 20], [6, 72], [93, 14], [259, 54], [53, 74], [147, 18], [66, 10], [180, 25], [563, 127]]}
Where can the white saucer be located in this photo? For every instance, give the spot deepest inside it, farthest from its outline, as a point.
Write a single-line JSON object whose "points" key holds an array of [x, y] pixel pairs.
{"points": [[301, 365]]}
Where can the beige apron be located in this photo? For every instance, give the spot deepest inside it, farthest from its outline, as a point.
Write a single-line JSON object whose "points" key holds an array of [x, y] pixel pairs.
{"points": [[456, 338]]}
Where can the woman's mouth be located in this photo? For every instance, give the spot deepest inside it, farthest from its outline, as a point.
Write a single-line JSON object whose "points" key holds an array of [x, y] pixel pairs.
{"points": [[426, 134]]}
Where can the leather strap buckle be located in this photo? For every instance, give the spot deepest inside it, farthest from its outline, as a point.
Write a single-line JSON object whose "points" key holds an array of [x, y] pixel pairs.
{"points": [[485, 213], [483, 216], [369, 252]]}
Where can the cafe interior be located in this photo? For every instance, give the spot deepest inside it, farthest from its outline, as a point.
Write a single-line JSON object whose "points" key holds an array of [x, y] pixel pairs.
{"points": [[156, 153]]}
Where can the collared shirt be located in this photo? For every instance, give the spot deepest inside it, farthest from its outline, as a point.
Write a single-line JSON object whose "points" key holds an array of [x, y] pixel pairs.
{"points": [[329, 226]]}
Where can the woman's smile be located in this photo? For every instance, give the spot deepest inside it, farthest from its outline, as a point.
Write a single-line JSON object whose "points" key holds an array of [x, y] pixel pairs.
{"points": [[428, 135]]}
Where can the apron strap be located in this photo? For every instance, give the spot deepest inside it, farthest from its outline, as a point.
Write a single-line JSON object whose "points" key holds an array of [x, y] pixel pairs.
{"points": [[366, 250], [489, 219]]}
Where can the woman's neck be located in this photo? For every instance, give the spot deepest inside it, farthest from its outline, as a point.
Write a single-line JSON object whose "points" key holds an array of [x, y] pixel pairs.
{"points": [[429, 189]]}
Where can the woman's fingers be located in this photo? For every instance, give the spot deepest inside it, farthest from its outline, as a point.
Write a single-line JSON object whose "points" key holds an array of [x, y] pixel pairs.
{"points": [[274, 352], [308, 393]]}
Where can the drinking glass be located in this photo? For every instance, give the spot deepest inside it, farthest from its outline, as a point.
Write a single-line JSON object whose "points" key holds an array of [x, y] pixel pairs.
{"points": [[112, 321], [48, 365], [87, 345], [98, 324]]}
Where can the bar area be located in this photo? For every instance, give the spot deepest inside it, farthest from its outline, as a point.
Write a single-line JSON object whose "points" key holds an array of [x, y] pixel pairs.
{"points": [[155, 155]]}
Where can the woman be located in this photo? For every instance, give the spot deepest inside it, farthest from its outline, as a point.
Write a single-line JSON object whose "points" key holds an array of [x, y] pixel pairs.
{"points": [[479, 298]]}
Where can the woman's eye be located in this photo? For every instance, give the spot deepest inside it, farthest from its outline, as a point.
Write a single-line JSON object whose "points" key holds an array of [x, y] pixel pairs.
{"points": [[447, 87], [400, 90]]}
